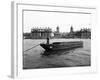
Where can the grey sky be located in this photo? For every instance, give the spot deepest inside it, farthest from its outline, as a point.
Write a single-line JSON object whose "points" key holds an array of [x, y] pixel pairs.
{"points": [[33, 19]]}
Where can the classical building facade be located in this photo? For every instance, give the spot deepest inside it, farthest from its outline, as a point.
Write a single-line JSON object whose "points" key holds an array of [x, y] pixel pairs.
{"points": [[57, 33], [83, 33], [43, 33], [40, 33], [86, 33], [71, 33]]}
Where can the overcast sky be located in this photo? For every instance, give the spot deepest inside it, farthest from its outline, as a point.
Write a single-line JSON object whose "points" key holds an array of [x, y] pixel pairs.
{"points": [[33, 19]]}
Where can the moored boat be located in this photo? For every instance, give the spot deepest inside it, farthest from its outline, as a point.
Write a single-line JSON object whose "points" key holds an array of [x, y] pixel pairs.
{"points": [[61, 45]]}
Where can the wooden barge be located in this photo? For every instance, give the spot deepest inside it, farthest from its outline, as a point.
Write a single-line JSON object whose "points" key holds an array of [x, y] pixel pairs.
{"points": [[61, 45]]}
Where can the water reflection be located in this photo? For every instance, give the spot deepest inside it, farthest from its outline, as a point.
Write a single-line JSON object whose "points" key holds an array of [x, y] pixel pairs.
{"points": [[57, 52]]}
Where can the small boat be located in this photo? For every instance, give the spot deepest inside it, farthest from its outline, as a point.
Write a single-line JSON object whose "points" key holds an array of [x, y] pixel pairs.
{"points": [[61, 45]]}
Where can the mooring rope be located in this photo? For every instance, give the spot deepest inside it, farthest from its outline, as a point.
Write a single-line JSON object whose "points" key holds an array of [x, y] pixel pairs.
{"points": [[32, 47]]}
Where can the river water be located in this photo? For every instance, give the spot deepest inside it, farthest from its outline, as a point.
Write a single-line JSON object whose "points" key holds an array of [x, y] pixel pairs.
{"points": [[33, 58]]}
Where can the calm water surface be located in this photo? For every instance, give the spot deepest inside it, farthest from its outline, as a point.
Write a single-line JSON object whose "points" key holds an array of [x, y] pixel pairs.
{"points": [[33, 58]]}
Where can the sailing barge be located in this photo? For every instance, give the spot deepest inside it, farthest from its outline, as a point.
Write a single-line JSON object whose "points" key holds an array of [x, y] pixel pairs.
{"points": [[61, 45]]}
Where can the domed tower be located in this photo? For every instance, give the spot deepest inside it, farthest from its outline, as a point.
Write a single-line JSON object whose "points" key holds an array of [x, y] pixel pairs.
{"points": [[71, 29], [57, 29]]}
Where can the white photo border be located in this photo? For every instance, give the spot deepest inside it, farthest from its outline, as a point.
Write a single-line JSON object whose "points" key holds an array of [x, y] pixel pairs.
{"points": [[17, 40]]}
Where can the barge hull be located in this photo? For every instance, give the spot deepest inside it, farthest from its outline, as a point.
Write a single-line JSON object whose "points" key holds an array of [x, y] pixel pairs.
{"points": [[62, 45]]}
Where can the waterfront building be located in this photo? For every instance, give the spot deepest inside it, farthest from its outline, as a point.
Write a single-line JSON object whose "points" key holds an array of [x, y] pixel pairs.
{"points": [[57, 33], [86, 33], [40, 33], [26, 35], [71, 33]]}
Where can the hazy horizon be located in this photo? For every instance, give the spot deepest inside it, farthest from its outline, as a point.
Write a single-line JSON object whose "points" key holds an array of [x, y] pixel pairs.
{"points": [[33, 19]]}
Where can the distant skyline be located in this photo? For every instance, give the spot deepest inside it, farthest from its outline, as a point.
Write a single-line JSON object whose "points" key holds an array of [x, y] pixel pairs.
{"points": [[33, 19]]}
